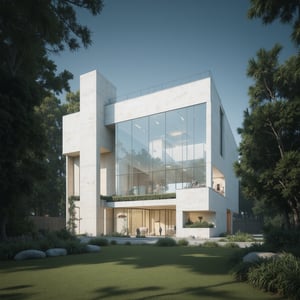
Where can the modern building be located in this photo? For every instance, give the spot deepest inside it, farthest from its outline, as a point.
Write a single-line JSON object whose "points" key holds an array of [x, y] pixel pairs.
{"points": [[160, 163]]}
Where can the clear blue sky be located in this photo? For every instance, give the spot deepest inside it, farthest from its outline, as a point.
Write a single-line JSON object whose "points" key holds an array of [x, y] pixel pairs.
{"points": [[143, 43]]}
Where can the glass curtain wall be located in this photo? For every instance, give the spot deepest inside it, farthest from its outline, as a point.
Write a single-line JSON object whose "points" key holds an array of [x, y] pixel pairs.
{"points": [[162, 152]]}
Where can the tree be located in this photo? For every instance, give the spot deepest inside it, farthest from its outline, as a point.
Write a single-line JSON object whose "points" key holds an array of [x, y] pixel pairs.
{"points": [[48, 196], [287, 11], [269, 151], [29, 31], [73, 102]]}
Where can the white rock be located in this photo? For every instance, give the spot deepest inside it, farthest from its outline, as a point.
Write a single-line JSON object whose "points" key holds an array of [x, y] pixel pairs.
{"points": [[256, 256], [93, 248], [56, 252], [29, 254]]}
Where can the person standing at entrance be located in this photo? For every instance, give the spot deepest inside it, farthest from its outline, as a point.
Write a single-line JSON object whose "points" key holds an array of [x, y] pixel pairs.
{"points": [[160, 230]]}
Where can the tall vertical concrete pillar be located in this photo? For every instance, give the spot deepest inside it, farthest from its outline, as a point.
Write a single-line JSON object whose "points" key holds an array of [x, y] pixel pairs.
{"points": [[95, 92]]}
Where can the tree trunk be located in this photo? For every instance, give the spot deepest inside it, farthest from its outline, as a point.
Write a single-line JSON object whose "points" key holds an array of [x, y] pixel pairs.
{"points": [[296, 217], [287, 221]]}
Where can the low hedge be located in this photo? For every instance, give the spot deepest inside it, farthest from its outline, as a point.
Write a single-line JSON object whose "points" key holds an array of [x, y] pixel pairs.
{"points": [[166, 242], [202, 224], [183, 242], [99, 242], [138, 197]]}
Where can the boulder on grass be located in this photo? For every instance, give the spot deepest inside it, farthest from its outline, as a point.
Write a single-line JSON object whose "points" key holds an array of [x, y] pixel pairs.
{"points": [[56, 252], [93, 248], [256, 256], [30, 254]]}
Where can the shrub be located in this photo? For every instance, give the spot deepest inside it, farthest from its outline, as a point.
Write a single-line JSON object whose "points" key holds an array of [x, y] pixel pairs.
{"points": [[141, 197], [182, 242], [166, 242], [50, 240], [282, 239], [295, 251], [6, 251], [280, 275], [240, 237], [203, 224], [75, 247], [43, 240], [209, 244], [64, 234], [113, 242], [9, 249], [128, 243], [240, 271], [231, 245], [118, 234], [99, 242], [223, 234]]}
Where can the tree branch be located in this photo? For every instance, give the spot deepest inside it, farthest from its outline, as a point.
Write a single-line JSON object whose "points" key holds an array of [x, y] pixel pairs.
{"points": [[277, 137]]}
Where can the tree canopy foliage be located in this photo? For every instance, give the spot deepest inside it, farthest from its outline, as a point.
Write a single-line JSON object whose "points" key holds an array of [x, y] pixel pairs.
{"points": [[48, 197], [29, 31], [286, 11], [73, 102], [269, 165]]}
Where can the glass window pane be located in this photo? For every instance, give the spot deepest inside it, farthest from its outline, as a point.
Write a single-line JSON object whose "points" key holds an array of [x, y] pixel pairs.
{"points": [[189, 150], [123, 148], [140, 145], [159, 182], [162, 152], [123, 139], [179, 177], [176, 134], [140, 183], [187, 177], [157, 141], [199, 175], [199, 131], [124, 185], [200, 123], [171, 181]]}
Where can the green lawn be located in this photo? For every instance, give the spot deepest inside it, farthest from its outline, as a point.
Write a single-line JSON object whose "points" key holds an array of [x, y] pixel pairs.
{"points": [[128, 272]]}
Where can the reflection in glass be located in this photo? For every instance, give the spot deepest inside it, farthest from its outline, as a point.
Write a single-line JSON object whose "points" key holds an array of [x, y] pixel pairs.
{"points": [[161, 153]]}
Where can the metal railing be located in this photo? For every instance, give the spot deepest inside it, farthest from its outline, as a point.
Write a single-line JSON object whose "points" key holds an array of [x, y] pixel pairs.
{"points": [[160, 87]]}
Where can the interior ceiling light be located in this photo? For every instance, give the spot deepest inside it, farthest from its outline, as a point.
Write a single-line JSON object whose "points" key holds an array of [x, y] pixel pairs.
{"points": [[176, 133]]}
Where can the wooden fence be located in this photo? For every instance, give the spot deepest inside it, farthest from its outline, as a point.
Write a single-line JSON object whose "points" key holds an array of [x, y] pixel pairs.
{"points": [[247, 225], [49, 223]]}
